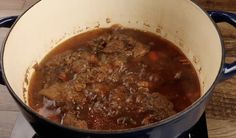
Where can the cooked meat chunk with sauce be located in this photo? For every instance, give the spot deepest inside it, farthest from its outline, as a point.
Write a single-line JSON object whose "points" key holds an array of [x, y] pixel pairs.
{"points": [[54, 92], [140, 50], [71, 120], [111, 79], [114, 46]]}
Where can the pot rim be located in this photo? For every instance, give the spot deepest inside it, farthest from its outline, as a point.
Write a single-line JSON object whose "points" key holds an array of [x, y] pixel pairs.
{"points": [[166, 121]]}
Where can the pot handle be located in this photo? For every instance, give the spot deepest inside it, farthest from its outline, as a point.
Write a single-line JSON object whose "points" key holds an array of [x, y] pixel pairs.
{"points": [[220, 16], [6, 22]]}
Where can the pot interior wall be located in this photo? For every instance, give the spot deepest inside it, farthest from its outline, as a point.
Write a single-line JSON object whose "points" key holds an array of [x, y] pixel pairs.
{"points": [[51, 22]]}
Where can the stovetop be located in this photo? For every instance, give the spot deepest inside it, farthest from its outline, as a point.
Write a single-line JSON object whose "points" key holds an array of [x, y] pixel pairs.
{"points": [[22, 129]]}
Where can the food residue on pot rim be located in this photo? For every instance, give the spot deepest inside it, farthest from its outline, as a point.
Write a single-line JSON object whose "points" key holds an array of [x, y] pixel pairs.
{"points": [[108, 20]]}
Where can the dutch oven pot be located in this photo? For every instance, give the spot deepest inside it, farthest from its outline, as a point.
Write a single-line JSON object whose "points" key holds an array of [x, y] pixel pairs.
{"points": [[50, 22]]}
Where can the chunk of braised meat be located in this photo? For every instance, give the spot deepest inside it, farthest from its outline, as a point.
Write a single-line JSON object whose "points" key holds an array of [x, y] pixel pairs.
{"points": [[97, 74], [101, 89], [155, 105], [161, 102], [117, 97], [59, 59], [119, 61], [75, 97], [63, 76], [140, 50], [88, 56], [70, 119], [80, 66], [129, 80], [119, 43], [54, 92], [63, 92], [99, 43], [114, 46], [78, 85], [50, 110], [93, 59]]}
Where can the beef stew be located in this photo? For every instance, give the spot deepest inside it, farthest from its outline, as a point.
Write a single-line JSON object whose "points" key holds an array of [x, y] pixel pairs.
{"points": [[113, 78]]}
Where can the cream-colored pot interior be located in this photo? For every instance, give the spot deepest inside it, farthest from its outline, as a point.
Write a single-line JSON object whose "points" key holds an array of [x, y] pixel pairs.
{"points": [[50, 22]]}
